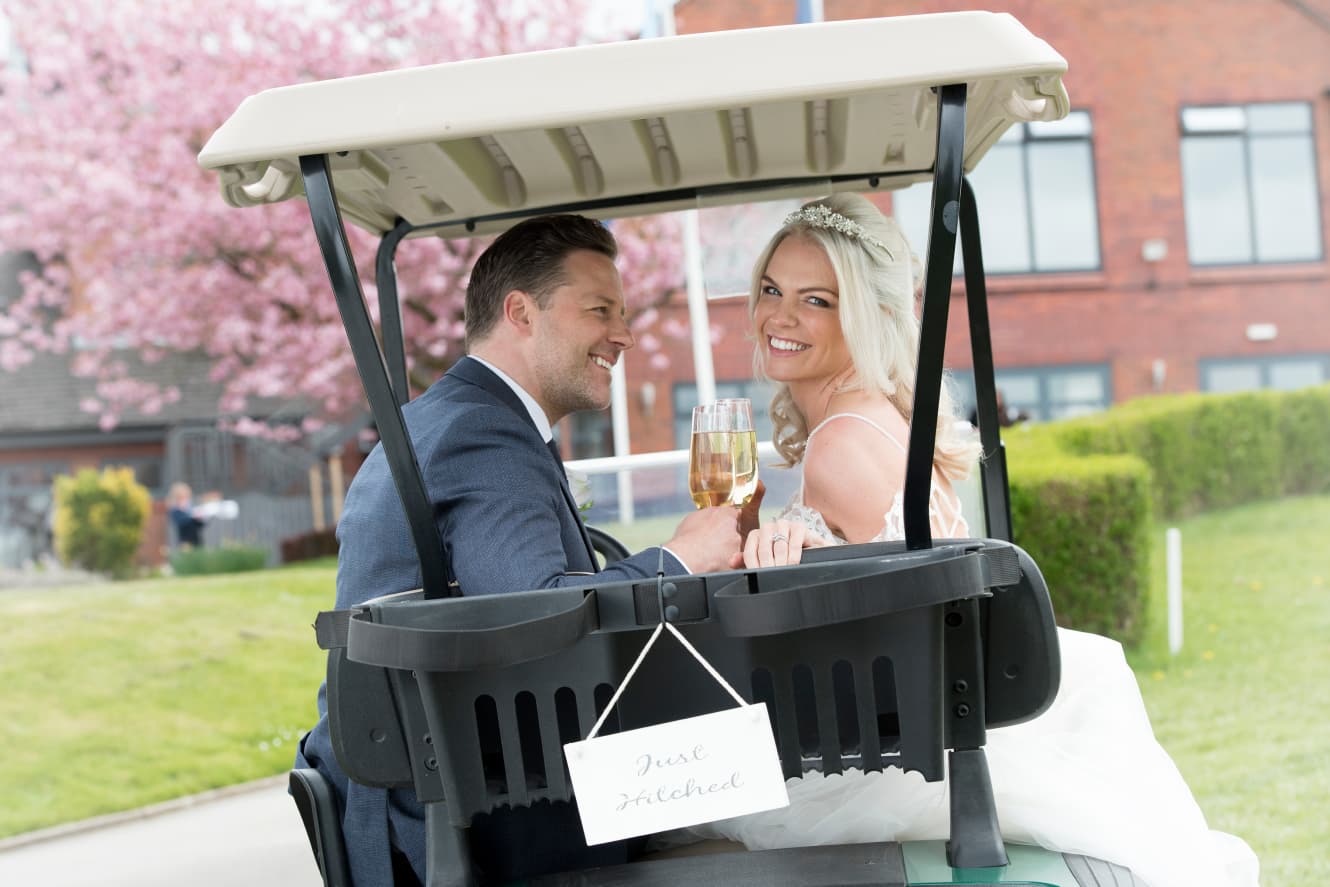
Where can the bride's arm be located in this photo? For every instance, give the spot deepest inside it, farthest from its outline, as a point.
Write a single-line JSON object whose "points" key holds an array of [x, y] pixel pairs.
{"points": [[851, 476]]}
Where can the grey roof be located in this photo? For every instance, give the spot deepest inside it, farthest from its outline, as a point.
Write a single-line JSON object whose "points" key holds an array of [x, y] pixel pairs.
{"points": [[44, 395]]}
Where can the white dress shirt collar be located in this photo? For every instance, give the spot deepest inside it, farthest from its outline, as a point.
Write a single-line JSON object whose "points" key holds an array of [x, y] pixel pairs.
{"points": [[537, 414]]}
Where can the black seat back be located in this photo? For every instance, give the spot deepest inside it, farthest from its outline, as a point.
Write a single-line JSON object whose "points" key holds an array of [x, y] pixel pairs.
{"points": [[867, 657]]}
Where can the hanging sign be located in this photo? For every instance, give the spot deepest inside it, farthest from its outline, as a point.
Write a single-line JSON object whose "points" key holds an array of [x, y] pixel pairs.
{"points": [[678, 773]]}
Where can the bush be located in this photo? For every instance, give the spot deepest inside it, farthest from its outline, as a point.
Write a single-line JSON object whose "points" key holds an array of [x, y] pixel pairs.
{"points": [[1085, 520], [229, 557], [1304, 427], [1083, 491], [1209, 451], [99, 519], [308, 546]]}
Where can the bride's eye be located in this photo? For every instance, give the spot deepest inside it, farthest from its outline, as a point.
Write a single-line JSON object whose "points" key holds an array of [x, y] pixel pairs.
{"points": [[770, 290]]}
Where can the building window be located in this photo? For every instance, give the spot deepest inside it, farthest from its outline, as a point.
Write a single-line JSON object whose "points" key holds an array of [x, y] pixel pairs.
{"points": [[1283, 373], [1043, 393], [685, 398], [1249, 184], [26, 503], [591, 434], [1036, 194]]}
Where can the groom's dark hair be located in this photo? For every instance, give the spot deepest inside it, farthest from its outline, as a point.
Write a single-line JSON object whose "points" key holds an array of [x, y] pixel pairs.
{"points": [[529, 257]]}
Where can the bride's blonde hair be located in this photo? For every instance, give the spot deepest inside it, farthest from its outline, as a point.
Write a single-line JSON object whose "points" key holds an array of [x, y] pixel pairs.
{"points": [[878, 276]]}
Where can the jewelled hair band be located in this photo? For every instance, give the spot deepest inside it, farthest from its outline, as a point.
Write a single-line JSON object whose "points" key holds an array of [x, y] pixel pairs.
{"points": [[817, 215]]}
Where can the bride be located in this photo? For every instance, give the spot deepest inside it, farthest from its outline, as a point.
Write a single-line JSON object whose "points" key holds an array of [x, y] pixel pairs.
{"points": [[833, 311]]}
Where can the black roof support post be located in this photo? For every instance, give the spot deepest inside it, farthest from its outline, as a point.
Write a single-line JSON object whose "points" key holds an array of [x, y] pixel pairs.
{"points": [[391, 336], [328, 228], [976, 841], [993, 469], [933, 317]]}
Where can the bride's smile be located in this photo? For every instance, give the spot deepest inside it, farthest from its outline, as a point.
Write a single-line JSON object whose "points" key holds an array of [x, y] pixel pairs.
{"points": [[796, 317]]}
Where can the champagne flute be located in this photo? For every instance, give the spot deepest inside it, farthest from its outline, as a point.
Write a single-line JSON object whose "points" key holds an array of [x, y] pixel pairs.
{"points": [[722, 461]]}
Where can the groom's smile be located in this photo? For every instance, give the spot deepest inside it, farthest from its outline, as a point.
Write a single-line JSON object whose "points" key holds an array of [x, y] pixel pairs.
{"points": [[581, 331]]}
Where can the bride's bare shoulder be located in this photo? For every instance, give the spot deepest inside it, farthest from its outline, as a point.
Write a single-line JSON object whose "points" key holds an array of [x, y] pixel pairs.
{"points": [[852, 472], [848, 447]]}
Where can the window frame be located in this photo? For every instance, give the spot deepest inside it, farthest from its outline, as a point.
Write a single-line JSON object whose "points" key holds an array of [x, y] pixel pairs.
{"points": [[757, 390], [1264, 364], [1245, 136], [1027, 138], [1042, 410]]}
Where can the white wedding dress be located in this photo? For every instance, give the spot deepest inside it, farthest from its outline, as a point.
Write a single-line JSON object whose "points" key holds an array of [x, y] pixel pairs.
{"points": [[1086, 777]]}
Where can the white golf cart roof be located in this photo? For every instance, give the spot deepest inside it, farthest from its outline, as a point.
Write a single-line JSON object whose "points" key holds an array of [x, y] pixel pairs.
{"points": [[644, 126]]}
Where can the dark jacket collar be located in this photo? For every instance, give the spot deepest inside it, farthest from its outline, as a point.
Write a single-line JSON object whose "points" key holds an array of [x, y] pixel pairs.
{"points": [[476, 373]]}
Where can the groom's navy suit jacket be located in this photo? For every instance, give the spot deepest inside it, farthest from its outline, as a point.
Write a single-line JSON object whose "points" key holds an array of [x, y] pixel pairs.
{"points": [[504, 510]]}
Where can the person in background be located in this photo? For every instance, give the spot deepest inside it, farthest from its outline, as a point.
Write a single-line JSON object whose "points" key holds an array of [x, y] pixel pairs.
{"points": [[188, 526], [1007, 416]]}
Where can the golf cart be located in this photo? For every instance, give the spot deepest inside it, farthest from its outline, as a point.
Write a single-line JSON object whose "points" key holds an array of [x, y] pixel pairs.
{"points": [[867, 656]]}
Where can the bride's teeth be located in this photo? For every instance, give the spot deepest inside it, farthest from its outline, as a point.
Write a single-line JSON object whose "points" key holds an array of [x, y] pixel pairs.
{"points": [[785, 345]]}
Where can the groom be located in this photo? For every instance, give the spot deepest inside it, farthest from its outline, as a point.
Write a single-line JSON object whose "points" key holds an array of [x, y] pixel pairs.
{"points": [[544, 326]]}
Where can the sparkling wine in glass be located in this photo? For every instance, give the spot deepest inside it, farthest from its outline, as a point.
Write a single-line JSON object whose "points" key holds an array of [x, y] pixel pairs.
{"points": [[722, 462]]}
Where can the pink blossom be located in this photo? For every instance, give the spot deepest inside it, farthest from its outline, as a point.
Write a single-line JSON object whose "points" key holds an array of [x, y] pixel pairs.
{"points": [[139, 251]]}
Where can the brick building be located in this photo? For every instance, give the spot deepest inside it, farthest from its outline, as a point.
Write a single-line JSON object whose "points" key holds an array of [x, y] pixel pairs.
{"points": [[1169, 236], [45, 433]]}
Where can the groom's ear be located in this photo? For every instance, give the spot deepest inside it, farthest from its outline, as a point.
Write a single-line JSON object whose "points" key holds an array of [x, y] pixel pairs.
{"points": [[518, 311]]}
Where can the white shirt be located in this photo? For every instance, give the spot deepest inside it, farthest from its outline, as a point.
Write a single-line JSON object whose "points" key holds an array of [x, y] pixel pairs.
{"points": [[540, 419]]}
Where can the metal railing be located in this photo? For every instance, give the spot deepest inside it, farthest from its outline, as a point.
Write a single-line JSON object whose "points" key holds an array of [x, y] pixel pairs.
{"points": [[623, 466]]}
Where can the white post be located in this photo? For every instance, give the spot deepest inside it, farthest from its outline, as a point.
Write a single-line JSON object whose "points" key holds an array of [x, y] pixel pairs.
{"points": [[316, 495], [699, 317], [622, 445], [1173, 547]]}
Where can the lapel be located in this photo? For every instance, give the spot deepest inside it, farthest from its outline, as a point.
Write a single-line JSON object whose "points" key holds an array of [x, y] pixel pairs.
{"points": [[476, 373]]}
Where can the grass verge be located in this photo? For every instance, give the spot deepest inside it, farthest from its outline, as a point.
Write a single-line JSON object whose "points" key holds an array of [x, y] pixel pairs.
{"points": [[123, 694], [1243, 707]]}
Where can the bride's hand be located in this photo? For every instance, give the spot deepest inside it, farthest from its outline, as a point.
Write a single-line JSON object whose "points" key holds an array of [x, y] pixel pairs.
{"points": [[777, 544]]}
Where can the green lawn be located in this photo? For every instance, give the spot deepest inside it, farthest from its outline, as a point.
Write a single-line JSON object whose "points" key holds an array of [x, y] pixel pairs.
{"points": [[122, 694], [1244, 708], [119, 695]]}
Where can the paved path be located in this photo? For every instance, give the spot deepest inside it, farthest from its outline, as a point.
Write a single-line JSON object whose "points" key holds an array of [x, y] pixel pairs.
{"points": [[246, 836]]}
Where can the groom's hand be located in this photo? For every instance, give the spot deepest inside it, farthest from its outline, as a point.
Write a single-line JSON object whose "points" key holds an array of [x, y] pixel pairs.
{"points": [[748, 516], [706, 540]]}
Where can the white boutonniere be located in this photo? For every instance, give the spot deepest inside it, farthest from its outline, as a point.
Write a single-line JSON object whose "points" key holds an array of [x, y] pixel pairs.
{"points": [[580, 486]]}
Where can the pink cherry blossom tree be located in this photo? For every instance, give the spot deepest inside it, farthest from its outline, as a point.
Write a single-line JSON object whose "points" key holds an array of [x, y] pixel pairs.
{"points": [[105, 105]]}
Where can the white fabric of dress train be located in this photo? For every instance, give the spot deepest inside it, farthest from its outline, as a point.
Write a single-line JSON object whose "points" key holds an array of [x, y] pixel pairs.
{"points": [[1085, 777]]}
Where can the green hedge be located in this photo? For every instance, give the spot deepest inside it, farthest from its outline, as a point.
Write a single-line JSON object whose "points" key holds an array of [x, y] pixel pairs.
{"points": [[229, 557], [1208, 451], [1304, 423], [1085, 521], [1084, 491]]}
